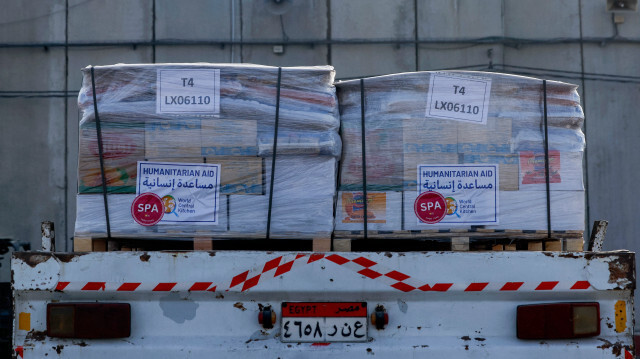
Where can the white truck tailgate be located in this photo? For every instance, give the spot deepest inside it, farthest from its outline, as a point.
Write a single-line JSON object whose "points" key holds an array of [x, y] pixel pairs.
{"points": [[439, 304]]}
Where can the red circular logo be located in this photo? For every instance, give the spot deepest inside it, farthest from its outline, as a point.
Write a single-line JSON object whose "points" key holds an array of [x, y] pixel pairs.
{"points": [[430, 207], [147, 209]]}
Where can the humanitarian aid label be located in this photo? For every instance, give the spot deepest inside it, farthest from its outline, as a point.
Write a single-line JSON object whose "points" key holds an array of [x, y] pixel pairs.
{"points": [[353, 208], [467, 194], [190, 192], [188, 91], [459, 98]]}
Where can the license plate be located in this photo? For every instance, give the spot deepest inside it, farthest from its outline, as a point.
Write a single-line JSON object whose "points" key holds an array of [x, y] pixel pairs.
{"points": [[321, 322]]}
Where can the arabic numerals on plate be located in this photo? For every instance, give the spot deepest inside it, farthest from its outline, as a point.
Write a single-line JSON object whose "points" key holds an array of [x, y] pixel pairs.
{"points": [[304, 329]]}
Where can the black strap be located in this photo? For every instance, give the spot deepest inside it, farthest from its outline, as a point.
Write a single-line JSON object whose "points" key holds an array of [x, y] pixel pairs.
{"points": [[364, 159], [338, 199], [546, 163], [273, 154], [100, 152]]}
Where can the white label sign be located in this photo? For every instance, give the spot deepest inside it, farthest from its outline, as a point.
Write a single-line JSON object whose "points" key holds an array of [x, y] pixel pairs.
{"points": [[469, 192], [459, 98], [188, 91], [189, 191]]}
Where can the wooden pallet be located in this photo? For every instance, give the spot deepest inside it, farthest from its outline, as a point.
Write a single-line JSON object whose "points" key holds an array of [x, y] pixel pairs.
{"points": [[458, 243], [100, 244], [451, 233], [346, 241], [474, 239]]}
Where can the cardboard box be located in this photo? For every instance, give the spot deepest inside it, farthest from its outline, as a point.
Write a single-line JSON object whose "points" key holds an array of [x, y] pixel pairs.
{"points": [[383, 157], [172, 138], [302, 207], [413, 160], [194, 138], [123, 147], [300, 142], [90, 219], [523, 210], [494, 137], [238, 174], [565, 171], [384, 211], [508, 165], [229, 137], [429, 136]]}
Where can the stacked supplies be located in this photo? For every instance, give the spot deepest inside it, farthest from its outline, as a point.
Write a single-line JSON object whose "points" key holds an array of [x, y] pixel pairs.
{"points": [[199, 141], [460, 150]]}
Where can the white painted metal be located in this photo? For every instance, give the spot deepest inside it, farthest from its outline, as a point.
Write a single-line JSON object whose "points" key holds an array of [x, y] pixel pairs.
{"points": [[224, 322]]}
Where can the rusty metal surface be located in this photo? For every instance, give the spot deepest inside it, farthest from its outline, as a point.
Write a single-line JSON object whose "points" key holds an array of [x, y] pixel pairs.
{"points": [[598, 234], [48, 236]]}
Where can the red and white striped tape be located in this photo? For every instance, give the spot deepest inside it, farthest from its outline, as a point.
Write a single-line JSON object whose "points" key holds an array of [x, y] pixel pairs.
{"points": [[284, 264], [406, 283]]}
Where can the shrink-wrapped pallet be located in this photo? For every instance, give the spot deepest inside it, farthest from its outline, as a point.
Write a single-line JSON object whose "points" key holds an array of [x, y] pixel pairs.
{"points": [[461, 150], [201, 138]]}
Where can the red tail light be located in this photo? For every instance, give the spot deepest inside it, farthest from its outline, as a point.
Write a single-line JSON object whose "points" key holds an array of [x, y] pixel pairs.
{"points": [[558, 321], [89, 320]]}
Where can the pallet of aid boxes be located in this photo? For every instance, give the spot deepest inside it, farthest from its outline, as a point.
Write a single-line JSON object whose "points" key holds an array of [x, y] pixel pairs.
{"points": [[462, 157], [208, 163]]}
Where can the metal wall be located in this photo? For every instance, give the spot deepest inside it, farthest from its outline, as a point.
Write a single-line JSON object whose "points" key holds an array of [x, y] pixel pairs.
{"points": [[44, 43]]}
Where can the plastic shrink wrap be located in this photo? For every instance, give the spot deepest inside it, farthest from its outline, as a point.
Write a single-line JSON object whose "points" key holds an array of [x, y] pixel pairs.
{"points": [[460, 150], [201, 137]]}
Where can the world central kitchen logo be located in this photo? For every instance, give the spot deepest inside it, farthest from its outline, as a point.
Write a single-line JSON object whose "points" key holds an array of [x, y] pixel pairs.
{"points": [[452, 206]]}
